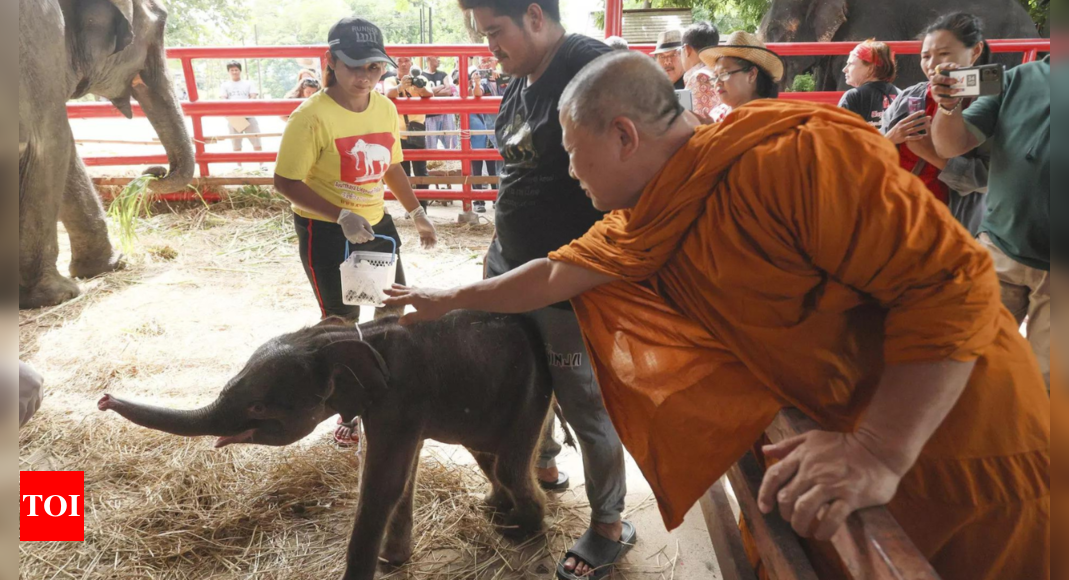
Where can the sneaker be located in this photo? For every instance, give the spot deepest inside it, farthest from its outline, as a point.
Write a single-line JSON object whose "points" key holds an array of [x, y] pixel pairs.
{"points": [[479, 206]]}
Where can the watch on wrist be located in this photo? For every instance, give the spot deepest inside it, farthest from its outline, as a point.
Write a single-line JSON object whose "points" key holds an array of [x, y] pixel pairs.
{"points": [[950, 112]]}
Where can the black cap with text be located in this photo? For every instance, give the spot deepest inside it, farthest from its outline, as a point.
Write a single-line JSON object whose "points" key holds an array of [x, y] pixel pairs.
{"points": [[357, 42]]}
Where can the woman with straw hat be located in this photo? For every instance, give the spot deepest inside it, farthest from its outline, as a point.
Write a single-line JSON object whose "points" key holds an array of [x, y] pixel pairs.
{"points": [[743, 70]]}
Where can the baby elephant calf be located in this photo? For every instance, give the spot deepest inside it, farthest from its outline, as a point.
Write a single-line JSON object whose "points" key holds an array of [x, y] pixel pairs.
{"points": [[470, 379]]}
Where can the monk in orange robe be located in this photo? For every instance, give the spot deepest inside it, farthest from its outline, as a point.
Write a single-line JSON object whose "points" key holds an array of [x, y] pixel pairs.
{"points": [[783, 259]]}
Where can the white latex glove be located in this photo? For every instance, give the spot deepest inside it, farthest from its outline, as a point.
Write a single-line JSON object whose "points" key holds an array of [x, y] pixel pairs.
{"points": [[427, 235], [30, 384], [356, 229]]}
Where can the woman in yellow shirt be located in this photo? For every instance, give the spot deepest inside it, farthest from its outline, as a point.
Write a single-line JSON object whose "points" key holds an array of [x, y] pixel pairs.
{"points": [[340, 150]]}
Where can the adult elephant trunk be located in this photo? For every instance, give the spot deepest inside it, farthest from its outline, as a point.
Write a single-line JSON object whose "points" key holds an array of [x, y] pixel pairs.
{"points": [[210, 420], [154, 91]]}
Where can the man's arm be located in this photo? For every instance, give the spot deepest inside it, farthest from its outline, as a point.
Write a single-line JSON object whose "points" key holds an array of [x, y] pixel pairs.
{"points": [[535, 285], [951, 134], [911, 402]]}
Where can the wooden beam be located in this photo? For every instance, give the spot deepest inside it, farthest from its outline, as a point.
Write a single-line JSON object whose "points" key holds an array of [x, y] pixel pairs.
{"points": [[725, 534], [872, 545], [781, 551]]}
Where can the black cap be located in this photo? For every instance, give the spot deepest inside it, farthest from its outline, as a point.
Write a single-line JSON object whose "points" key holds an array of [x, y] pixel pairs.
{"points": [[357, 42]]}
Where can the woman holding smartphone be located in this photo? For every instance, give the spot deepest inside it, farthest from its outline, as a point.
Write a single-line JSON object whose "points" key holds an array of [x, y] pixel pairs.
{"points": [[960, 182]]}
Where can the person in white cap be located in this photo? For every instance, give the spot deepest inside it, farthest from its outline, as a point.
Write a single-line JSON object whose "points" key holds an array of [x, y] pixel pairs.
{"points": [[669, 55]]}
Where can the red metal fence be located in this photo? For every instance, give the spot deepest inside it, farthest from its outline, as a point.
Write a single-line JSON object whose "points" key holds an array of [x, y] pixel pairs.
{"points": [[464, 105]]}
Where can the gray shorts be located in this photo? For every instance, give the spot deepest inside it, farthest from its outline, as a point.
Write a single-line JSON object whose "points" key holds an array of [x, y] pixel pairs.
{"points": [[254, 127]]}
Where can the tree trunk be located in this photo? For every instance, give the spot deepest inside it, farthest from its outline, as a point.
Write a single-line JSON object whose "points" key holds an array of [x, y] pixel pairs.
{"points": [[469, 26]]}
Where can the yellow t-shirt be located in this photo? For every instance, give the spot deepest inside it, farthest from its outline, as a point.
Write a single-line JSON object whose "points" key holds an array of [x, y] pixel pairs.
{"points": [[340, 154], [392, 83]]}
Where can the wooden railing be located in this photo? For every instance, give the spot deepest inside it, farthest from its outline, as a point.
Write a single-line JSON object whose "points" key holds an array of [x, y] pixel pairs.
{"points": [[871, 545]]}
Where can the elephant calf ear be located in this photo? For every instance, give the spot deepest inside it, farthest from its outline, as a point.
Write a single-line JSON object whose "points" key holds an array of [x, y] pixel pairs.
{"points": [[358, 376]]}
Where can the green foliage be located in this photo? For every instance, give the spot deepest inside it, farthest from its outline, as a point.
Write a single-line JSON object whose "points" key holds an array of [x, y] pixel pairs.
{"points": [[804, 84], [1039, 10], [131, 205], [205, 22]]}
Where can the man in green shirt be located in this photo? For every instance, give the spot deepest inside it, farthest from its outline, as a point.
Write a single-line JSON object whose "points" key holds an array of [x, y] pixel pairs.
{"points": [[1016, 228]]}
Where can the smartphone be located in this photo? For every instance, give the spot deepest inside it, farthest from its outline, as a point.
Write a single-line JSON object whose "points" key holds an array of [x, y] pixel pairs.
{"points": [[979, 81], [917, 105], [686, 98]]}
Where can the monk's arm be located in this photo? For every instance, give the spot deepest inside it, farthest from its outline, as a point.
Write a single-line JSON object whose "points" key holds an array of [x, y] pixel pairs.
{"points": [[912, 400], [535, 285]]}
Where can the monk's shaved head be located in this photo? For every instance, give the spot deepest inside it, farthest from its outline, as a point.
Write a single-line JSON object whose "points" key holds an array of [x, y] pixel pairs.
{"points": [[620, 84]]}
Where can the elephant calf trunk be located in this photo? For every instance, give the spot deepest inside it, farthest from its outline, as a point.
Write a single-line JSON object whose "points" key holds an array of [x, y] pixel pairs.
{"points": [[196, 423]]}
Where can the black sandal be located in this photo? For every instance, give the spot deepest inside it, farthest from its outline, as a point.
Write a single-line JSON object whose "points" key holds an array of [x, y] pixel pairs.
{"points": [[598, 552], [562, 484]]}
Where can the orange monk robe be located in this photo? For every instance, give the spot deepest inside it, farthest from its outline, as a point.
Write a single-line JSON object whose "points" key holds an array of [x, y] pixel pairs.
{"points": [[783, 258]]}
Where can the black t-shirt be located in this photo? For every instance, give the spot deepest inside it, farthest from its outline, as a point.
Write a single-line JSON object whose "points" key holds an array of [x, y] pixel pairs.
{"points": [[870, 100], [681, 84], [540, 208]]}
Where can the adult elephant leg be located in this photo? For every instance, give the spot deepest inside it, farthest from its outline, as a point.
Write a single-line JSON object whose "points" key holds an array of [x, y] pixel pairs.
{"points": [[41, 186], [386, 474], [83, 215], [398, 549]]}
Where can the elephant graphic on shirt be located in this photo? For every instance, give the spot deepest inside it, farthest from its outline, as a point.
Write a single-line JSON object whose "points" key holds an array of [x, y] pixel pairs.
{"points": [[376, 158]]}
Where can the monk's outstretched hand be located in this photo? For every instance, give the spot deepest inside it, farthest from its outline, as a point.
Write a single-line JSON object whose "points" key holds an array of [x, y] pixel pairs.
{"points": [[429, 304], [821, 479]]}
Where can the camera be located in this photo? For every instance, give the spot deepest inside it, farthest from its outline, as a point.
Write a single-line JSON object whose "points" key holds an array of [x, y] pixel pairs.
{"points": [[418, 80]]}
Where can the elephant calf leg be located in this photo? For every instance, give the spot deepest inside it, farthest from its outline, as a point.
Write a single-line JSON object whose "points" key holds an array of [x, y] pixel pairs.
{"points": [[529, 508], [386, 475], [398, 548], [499, 500], [83, 215]]}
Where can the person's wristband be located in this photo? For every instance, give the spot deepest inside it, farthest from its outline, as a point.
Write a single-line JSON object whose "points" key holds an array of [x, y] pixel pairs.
{"points": [[417, 213]]}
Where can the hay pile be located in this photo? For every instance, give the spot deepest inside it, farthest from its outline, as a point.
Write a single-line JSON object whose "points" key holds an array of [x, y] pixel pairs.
{"points": [[159, 506]]}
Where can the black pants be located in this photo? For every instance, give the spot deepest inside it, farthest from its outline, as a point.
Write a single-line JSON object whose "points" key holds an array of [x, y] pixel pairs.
{"points": [[322, 253], [416, 168]]}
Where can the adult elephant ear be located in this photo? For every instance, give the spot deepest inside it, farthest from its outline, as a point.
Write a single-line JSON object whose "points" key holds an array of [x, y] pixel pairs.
{"points": [[827, 17], [124, 28]]}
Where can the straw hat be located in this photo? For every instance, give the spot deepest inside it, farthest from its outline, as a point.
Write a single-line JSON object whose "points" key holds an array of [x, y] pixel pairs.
{"points": [[668, 41], [748, 47]]}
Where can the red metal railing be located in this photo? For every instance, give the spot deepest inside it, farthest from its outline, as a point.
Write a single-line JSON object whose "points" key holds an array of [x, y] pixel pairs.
{"points": [[465, 105], [197, 109]]}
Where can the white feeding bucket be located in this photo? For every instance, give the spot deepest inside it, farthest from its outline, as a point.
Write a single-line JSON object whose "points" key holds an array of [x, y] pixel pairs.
{"points": [[366, 275]]}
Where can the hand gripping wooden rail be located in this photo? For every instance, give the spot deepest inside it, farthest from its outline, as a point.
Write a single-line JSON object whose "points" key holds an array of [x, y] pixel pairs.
{"points": [[871, 545]]}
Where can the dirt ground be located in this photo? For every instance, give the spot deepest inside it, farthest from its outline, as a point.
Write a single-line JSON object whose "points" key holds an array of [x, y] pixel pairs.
{"points": [[204, 288]]}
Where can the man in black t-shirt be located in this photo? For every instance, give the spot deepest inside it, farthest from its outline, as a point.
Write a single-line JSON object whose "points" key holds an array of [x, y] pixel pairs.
{"points": [[540, 208]]}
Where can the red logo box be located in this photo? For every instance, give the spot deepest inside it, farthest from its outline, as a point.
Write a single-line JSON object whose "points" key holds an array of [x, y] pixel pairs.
{"points": [[51, 506]]}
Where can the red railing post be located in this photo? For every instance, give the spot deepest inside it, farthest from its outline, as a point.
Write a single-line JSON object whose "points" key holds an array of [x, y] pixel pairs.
{"points": [[465, 130], [197, 121], [614, 18]]}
